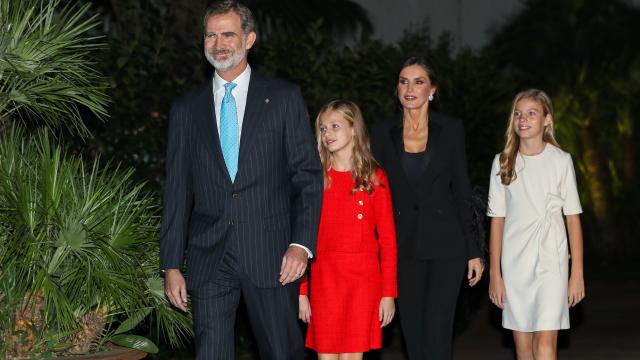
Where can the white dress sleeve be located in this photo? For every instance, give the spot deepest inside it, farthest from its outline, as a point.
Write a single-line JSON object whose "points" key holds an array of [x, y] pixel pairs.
{"points": [[569, 189], [497, 206]]}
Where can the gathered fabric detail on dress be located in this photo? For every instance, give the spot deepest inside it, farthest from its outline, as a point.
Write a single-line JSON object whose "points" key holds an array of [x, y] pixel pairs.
{"points": [[549, 231]]}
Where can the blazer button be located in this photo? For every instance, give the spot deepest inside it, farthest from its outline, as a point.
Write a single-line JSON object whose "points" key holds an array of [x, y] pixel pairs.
{"points": [[360, 202], [235, 196], [359, 216]]}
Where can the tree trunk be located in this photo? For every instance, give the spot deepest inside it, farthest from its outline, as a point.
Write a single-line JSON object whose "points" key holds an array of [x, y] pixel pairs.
{"points": [[629, 191], [595, 172]]}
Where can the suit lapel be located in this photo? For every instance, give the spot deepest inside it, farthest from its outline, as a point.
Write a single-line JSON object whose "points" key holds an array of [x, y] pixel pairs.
{"points": [[395, 133], [398, 141], [434, 145], [209, 126], [256, 100]]}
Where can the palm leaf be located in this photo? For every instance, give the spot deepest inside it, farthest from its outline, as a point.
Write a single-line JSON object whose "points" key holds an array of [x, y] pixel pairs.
{"points": [[83, 237], [46, 69], [135, 342]]}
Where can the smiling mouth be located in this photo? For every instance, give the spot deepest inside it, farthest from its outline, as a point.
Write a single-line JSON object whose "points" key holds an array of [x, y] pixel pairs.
{"points": [[410, 98], [329, 142], [221, 53], [524, 127]]}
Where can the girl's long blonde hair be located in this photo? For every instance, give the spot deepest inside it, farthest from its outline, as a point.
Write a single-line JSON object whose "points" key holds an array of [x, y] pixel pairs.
{"points": [[512, 140], [364, 166]]}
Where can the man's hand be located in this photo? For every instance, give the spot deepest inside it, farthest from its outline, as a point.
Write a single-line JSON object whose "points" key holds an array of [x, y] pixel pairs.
{"points": [[475, 269], [176, 288], [294, 264]]}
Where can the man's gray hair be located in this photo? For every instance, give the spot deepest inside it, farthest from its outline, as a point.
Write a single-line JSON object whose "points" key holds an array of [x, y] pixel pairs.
{"points": [[247, 21]]}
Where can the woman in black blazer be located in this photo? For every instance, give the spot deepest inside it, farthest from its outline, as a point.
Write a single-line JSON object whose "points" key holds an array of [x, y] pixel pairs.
{"points": [[423, 153]]}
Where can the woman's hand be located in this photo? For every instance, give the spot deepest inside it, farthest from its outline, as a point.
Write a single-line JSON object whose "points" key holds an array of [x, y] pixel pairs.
{"points": [[304, 308], [475, 270], [387, 310], [576, 290], [497, 292]]}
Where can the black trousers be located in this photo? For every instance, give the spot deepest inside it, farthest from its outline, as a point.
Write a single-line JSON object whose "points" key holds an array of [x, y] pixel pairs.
{"points": [[427, 296], [272, 313]]}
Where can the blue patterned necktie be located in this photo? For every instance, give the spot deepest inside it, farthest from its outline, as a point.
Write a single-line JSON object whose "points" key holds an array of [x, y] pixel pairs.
{"points": [[229, 134]]}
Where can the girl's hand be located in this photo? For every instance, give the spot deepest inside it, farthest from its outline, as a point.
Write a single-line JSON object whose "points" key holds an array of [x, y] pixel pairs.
{"points": [[497, 292], [387, 310], [576, 290], [304, 308]]}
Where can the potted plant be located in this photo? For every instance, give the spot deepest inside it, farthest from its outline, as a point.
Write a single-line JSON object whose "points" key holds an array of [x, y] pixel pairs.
{"points": [[78, 241]]}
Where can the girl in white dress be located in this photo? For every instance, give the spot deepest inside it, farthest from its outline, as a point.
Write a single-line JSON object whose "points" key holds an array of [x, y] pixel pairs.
{"points": [[532, 185]]}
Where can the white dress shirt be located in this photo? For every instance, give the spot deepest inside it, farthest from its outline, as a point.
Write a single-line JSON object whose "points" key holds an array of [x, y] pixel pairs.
{"points": [[240, 95]]}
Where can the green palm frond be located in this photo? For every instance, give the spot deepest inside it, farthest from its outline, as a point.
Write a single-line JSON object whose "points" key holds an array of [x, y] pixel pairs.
{"points": [[46, 69], [83, 236]]}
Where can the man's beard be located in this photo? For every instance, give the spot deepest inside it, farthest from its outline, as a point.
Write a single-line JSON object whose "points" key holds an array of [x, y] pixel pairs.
{"points": [[230, 62]]}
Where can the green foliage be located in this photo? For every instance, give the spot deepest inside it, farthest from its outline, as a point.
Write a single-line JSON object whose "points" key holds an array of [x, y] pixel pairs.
{"points": [[367, 71], [46, 71], [154, 54], [135, 342], [586, 55], [325, 72], [78, 241], [290, 17], [85, 239]]}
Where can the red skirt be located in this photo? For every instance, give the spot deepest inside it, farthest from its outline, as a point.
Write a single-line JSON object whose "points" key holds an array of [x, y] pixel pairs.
{"points": [[345, 293]]}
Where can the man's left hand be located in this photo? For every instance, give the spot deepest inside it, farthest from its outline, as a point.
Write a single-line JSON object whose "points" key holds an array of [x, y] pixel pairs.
{"points": [[294, 264]]}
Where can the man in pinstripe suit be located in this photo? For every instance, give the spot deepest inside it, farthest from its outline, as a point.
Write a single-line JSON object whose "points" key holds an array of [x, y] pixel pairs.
{"points": [[242, 197]]}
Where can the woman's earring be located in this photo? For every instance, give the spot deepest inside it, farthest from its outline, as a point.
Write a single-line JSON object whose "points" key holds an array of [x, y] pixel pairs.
{"points": [[431, 97]]}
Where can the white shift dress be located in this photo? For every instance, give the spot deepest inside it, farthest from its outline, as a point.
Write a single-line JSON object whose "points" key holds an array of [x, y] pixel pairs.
{"points": [[534, 245]]}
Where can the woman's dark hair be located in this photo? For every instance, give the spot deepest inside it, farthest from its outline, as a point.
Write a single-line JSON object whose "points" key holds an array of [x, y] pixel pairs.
{"points": [[427, 66], [423, 63]]}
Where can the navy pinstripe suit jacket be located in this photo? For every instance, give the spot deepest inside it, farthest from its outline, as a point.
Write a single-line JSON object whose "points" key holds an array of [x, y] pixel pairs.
{"points": [[276, 196]]}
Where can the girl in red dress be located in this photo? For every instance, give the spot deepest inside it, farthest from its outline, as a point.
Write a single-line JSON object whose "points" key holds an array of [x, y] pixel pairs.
{"points": [[349, 295]]}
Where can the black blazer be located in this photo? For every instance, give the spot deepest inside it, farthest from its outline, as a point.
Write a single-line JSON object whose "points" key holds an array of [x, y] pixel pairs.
{"points": [[276, 196], [433, 220]]}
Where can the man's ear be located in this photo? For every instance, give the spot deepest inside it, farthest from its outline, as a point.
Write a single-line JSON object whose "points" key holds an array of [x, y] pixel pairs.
{"points": [[251, 39]]}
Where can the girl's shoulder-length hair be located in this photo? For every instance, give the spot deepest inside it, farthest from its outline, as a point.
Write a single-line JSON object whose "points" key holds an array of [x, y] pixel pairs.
{"points": [[509, 154], [364, 167]]}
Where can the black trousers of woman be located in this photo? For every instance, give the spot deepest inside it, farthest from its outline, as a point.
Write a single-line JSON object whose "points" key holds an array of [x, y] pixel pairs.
{"points": [[427, 296]]}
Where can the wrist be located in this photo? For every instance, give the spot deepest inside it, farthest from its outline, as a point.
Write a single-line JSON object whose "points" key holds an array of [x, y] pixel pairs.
{"points": [[576, 274]]}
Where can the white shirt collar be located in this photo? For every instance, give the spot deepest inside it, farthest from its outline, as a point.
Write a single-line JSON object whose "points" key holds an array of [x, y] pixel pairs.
{"points": [[242, 81]]}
